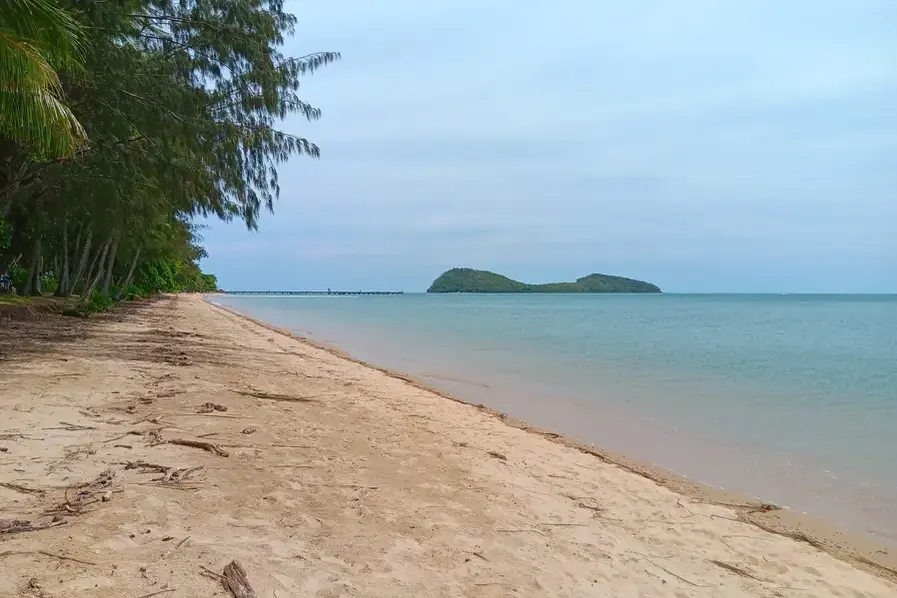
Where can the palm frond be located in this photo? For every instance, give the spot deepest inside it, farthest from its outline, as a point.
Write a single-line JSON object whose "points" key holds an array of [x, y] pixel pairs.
{"points": [[40, 119], [36, 38], [50, 28]]}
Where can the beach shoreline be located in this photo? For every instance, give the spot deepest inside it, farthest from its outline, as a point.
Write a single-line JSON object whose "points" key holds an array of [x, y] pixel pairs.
{"points": [[854, 547], [532, 509]]}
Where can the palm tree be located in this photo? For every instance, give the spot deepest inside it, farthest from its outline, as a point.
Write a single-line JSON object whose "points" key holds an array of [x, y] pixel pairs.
{"points": [[36, 38]]}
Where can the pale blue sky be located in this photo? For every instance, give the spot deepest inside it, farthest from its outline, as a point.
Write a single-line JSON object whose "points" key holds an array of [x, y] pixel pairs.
{"points": [[702, 145]]}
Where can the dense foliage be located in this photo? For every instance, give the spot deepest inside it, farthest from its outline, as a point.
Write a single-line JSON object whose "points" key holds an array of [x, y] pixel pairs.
{"points": [[468, 280], [120, 122]]}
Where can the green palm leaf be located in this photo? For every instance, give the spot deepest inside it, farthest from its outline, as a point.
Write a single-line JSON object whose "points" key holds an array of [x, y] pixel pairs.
{"points": [[36, 38]]}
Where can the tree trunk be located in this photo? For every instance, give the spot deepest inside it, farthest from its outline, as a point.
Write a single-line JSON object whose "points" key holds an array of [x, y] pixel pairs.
{"points": [[96, 261], [88, 292], [109, 264], [33, 267], [82, 263], [130, 274], [63, 273], [37, 275]]}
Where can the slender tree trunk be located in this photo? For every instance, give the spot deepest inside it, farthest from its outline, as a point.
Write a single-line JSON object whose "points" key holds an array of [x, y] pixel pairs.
{"points": [[88, 292], [63, 273], [37, 275], [110, 262], [82, 263], [130, 275], [33, 268], [96, 261], [70, 277]]}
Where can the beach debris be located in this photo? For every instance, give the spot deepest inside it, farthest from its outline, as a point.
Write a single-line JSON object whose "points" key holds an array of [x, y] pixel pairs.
{"points": [[69, 427], [736, 570], [171, 475], [157, 592], [145, 400], [16, 526], [497, 455], [71, 455], [86, 494], [209, 407], [235, 581], [270, 396], [199, 444], [33, 582], [247, 431], [3, 449], [20, 488]]}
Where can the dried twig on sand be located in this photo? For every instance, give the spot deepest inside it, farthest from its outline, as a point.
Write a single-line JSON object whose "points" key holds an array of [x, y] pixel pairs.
{"points": [[171, 475], [235, 580], [69, 427], [497, 455], [668, 572], [157, 592], [70, 456], [736, 570], [269, 396], [22, 489], [61, 557], [87, 494], [16, 526], [209, 407], [206, 446]]}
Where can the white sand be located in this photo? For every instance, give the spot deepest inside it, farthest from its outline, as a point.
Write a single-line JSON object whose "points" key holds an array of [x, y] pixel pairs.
{"points": [[370, 487]]}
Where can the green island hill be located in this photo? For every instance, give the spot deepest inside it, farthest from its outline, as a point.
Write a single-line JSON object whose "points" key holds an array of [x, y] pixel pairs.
{"points": [[468, 280]]}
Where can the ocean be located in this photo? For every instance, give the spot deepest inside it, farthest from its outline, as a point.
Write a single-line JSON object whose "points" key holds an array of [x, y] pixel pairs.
{"points": [[789, 398]]}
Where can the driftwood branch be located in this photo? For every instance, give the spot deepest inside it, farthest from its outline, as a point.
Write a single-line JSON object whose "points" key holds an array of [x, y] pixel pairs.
{"points": [[199, 444], [235, 580]]}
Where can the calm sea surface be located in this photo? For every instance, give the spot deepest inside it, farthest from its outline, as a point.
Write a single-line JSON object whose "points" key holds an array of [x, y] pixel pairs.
{"points": [[789, 398]]}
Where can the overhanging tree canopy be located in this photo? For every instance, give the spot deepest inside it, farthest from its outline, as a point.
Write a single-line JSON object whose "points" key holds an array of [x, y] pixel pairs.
{"points": [[179, 102]]}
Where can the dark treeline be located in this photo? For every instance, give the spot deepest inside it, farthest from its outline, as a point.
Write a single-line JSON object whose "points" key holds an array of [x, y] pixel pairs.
{"points": [[121, 121]]}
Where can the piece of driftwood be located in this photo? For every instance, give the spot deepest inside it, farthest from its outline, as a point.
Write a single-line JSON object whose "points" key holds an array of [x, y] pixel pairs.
{"points": [[20, 488], [171, 475], [199, 444], [209, 407], [235, 581], [270, 396], [70, 427], [16, 526]]}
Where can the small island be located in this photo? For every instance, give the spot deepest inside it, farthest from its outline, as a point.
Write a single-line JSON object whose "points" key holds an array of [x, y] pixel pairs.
{"points": [[468, 280]]}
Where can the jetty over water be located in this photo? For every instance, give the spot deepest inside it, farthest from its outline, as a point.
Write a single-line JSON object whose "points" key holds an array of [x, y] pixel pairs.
{"points": [[327, 292]]}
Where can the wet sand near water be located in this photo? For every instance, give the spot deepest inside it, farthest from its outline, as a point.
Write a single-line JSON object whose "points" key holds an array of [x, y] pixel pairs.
{"points": [[143, 451]]}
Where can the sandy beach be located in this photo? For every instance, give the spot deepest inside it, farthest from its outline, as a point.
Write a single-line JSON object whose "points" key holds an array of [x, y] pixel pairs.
{"points": [[143, 451]]}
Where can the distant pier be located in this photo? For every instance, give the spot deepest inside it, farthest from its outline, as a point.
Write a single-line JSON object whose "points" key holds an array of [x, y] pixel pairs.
{"points": [[327, 292]]}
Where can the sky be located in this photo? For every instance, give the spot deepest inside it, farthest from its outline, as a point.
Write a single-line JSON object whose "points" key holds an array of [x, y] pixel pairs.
{"points": [[705, 146]]}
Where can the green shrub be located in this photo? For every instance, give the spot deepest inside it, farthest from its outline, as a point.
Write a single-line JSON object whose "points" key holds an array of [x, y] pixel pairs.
{"points": [[48, 283], [99, 302]]}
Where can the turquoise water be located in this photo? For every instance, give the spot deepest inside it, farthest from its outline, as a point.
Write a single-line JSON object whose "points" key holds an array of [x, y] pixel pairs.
{"points": [[789, 398]]}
